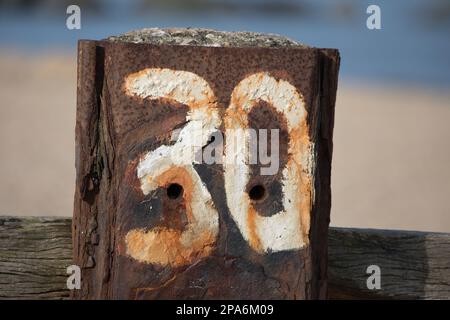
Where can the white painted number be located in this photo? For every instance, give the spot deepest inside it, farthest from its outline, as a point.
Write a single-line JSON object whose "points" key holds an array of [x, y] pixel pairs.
{"points": [[173, 164], [285, 230]]}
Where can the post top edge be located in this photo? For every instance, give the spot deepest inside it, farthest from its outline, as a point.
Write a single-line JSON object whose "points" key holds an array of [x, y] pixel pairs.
{"points": [[205, 38]]}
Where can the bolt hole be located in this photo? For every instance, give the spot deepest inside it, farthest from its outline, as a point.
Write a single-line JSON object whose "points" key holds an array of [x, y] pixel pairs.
{"points": [[257, 192], [174, 191]]}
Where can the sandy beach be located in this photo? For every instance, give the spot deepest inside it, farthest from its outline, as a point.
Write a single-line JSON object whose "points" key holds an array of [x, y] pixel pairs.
{"points": [[391, 166]]}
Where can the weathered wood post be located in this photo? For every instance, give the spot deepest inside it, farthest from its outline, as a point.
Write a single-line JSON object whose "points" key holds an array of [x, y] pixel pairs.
{"points": [[163, 208]]}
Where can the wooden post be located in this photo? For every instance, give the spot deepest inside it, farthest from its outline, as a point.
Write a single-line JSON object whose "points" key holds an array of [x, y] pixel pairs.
{"points": [[168, 202]]}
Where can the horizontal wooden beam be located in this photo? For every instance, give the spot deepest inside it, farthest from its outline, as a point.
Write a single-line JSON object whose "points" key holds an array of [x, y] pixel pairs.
{"points": [[35, 252], [413, 265], [34, 255]]}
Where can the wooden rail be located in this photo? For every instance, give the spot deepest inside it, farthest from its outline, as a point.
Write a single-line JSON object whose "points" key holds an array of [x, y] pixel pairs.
{"points": [[35, 252]]}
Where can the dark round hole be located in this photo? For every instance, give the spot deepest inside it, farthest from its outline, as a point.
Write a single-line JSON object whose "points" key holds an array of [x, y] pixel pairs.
{"points": [[257, 192], [174, 191]]}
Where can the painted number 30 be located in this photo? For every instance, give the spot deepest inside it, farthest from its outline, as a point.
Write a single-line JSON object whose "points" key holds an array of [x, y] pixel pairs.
{"points": [[285, 230]]}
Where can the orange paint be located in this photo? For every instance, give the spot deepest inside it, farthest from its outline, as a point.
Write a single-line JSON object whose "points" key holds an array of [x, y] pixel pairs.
{"points": [[299, 138], [163, 245], [254, 239]]}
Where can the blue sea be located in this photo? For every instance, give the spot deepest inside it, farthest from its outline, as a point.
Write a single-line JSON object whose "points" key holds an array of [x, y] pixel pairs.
{"points": [[412, 47]]}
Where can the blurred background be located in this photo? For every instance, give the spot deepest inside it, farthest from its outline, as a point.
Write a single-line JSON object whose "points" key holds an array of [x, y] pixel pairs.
{"points": [[391, 166]]}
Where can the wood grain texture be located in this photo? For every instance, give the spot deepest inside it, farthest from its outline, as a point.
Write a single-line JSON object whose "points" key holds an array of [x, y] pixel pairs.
{"points": [[34, 254], [414, 265]]}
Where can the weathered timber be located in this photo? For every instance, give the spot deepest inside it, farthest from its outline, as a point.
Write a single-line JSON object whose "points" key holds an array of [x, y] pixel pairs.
{"points": [[414, 265], [149, 224], [35, 252], [34, 255]]}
